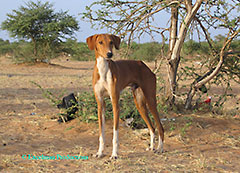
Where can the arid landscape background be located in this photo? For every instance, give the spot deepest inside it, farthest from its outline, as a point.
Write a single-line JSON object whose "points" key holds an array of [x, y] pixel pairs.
{"points": [[28, 126]]}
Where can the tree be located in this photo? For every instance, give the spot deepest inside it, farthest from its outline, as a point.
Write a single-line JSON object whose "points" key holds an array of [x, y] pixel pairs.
{"points": [[219, 14], [39, 23], [132, 19]]}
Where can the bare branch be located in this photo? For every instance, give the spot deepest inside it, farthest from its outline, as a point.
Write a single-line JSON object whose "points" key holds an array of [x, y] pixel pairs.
{"points": [[207, 36], [218, 67], [151, 14]]}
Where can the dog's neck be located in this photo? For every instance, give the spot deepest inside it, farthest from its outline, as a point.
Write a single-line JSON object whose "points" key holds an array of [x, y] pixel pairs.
{"points": [[102, 66]]}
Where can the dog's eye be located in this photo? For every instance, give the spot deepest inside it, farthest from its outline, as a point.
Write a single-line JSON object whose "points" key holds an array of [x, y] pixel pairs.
{"points": [[111, 42], [100, 42]]}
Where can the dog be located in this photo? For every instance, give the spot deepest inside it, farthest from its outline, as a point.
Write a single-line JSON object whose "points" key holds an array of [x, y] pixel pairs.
{"points": [[111, 77]]}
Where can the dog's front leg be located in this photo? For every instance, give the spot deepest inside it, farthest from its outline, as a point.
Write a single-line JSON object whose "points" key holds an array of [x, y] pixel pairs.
{"points": [[101, 122], [115, 99]]}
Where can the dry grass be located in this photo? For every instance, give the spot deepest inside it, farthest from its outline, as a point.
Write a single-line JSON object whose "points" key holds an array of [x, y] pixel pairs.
{"points": [[193, 143]]}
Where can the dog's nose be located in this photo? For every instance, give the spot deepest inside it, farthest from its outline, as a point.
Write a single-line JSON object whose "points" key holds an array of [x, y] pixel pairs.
{"points": [[109, 54]]}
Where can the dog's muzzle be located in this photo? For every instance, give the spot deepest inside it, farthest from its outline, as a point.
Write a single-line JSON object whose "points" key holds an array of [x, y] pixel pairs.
{"points": [[109, 54]]}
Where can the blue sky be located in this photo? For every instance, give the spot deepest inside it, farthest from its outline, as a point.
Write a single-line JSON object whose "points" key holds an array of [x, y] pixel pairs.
{"points": [[74, 7]]}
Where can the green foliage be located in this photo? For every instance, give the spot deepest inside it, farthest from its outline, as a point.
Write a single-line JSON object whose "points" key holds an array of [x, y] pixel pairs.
{"points": [[192, 47], [145, 51], [128, 110], [235, 45], [87, 106], [228, 75], [78, 50], [88, 109], [23, 53], [55, 100], [5, 47], [39, 23], [20, 51], [186, 126]]}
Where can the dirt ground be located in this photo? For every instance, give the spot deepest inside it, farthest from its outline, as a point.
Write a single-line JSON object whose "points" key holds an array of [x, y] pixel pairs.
{"points": [[32, 140]]}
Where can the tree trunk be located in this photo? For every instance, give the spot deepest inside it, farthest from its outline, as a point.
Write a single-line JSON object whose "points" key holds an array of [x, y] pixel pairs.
{"points": [[190, 95], [34, 48], [176, 43], [172, 67]]}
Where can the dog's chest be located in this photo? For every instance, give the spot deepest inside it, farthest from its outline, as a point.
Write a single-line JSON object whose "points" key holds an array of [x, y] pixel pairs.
{"points": [[105, 80]]}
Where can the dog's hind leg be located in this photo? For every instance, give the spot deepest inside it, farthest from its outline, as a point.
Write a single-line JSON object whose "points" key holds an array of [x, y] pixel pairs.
{"points": [[150, 96], [151, 102], [140, 102]]}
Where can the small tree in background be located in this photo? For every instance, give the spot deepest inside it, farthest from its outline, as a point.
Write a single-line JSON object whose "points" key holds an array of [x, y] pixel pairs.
{"points": [[45, 28]]}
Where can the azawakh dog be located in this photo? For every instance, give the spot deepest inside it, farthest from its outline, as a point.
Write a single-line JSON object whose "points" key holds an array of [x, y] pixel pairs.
{"points": [[111, 77]]}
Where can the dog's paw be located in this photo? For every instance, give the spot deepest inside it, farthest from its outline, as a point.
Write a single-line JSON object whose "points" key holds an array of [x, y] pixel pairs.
{"points": [[98, 155], [113, 157], [150, 149], [158, 151]]}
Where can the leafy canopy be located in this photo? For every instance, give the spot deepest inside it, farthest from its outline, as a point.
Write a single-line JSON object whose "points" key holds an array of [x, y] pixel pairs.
{"points": [[38, 21]]}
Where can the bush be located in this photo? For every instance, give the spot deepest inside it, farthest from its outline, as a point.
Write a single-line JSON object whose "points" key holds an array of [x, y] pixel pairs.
{"points": [[23, 53], [146, 51], [6, 47], [235, 45], [87, 107], [78, 51], [37, 21], [192, 47]]}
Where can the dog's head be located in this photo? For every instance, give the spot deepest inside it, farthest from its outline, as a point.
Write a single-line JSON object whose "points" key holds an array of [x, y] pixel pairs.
{"points": [[103, 44]]}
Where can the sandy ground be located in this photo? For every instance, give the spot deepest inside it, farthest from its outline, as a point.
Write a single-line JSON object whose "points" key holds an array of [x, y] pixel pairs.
{"points": [[31, 139]]}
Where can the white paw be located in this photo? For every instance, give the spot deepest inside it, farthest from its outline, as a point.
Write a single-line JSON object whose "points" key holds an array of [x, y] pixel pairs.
{"points": [[150, 149], [113, 157], [98, 155], [159, 150]]}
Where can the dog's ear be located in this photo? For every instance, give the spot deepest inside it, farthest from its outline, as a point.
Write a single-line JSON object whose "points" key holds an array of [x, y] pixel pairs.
{"points": [[116, 41], [91, 41]]}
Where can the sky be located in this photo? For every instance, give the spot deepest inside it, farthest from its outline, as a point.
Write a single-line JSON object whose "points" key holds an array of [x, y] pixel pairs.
{"points": [[74, 7]]}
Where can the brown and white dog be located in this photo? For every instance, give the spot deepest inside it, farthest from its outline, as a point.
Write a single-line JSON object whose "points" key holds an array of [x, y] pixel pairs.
{"points": [[111, 77]]}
